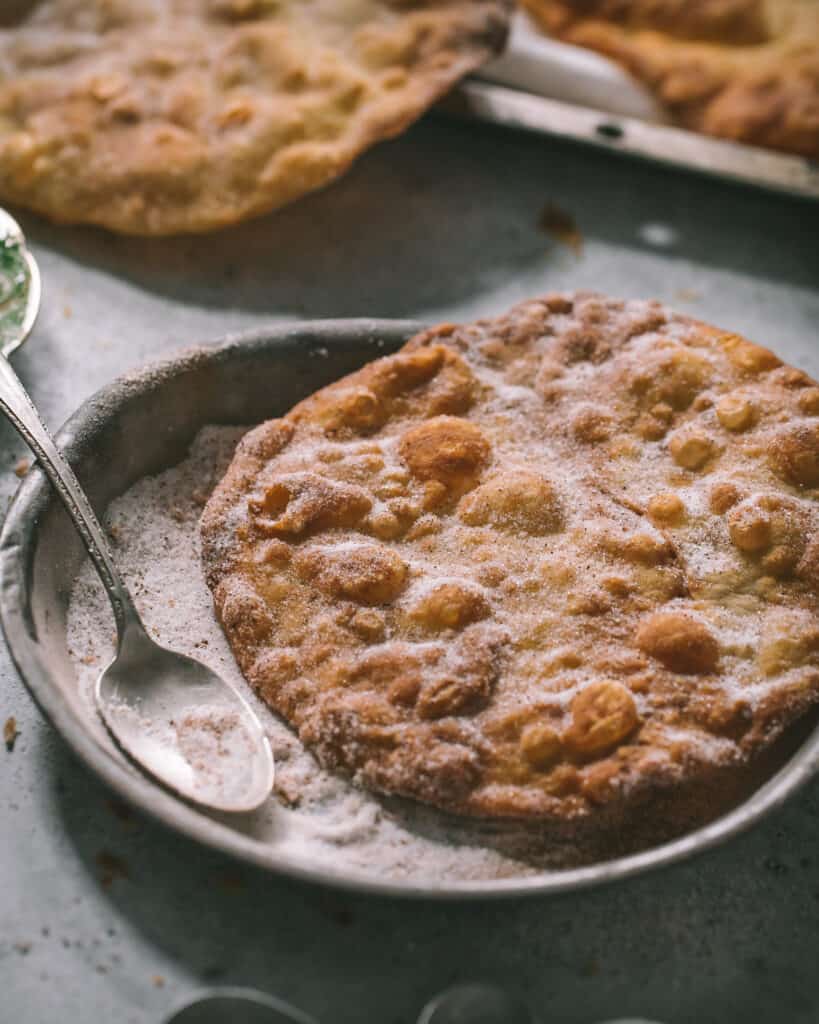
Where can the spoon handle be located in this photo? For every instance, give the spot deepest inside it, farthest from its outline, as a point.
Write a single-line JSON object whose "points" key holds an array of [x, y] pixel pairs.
{"points": [[19, 408]]}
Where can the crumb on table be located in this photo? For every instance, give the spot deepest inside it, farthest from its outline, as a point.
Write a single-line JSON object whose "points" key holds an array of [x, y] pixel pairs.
{"points": [[561, 226], [10, 732]]}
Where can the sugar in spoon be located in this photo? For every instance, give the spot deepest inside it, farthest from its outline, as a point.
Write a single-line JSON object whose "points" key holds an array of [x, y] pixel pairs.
{"points": [[175, 717]]}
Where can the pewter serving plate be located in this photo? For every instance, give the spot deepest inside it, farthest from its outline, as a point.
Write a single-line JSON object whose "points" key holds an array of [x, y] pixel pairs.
{"points": [[143, 424]]}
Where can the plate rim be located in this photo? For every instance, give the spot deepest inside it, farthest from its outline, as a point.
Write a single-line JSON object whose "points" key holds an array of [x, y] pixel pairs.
{"points": [[18, 539]]}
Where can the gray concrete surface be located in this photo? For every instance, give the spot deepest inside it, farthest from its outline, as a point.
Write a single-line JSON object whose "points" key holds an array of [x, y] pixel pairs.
{"points": [[105, 916]]}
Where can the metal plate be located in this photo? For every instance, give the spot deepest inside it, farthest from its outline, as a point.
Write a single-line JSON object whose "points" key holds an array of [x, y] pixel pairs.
{"points": [[628, 136], [242, 380]]}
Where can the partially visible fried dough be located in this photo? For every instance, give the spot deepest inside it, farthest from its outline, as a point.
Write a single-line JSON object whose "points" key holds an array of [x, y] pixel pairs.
{"points": [[746, 70], [153, 118], [545, 567]]}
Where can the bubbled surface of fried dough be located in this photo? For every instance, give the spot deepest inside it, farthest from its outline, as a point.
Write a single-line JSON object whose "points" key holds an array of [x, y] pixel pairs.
{"points": [[154, 117], [533, 567], [746, 70]]}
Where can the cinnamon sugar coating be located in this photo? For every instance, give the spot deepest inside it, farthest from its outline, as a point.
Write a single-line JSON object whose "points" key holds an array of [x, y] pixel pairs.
{"points": [[746, 70], [459, 587], [153, 117]]}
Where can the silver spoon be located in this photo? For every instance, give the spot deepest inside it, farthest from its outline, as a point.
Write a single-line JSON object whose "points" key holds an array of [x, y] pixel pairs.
{"points": [[174, 716]]}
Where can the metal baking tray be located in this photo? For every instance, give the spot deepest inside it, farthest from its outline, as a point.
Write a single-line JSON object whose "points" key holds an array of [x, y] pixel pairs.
{"points": [[244, 379], [628, 136]]}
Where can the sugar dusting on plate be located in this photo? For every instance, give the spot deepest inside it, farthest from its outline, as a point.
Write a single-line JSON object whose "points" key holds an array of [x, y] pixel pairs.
{"points": [[313, 817]]}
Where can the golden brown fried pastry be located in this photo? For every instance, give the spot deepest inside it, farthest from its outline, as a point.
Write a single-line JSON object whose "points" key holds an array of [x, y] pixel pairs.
{"points": [[534, 567], [186, 115], [746, 70]]}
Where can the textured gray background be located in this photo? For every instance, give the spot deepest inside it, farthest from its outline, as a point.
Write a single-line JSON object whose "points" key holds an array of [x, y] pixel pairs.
{"points": [[443, 223]]}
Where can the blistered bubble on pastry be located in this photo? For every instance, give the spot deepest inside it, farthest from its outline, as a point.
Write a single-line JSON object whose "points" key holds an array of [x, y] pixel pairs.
{"points": [[537, 567]]}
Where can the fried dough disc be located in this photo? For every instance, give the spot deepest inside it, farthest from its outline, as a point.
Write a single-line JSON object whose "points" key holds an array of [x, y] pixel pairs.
{"points": [[746, 70], [153, 117], [534, 567]]}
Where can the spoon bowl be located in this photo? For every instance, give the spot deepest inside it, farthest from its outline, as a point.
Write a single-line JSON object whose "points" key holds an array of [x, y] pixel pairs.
{"points": [[174, 716], [179, 719], [20, 288]]}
